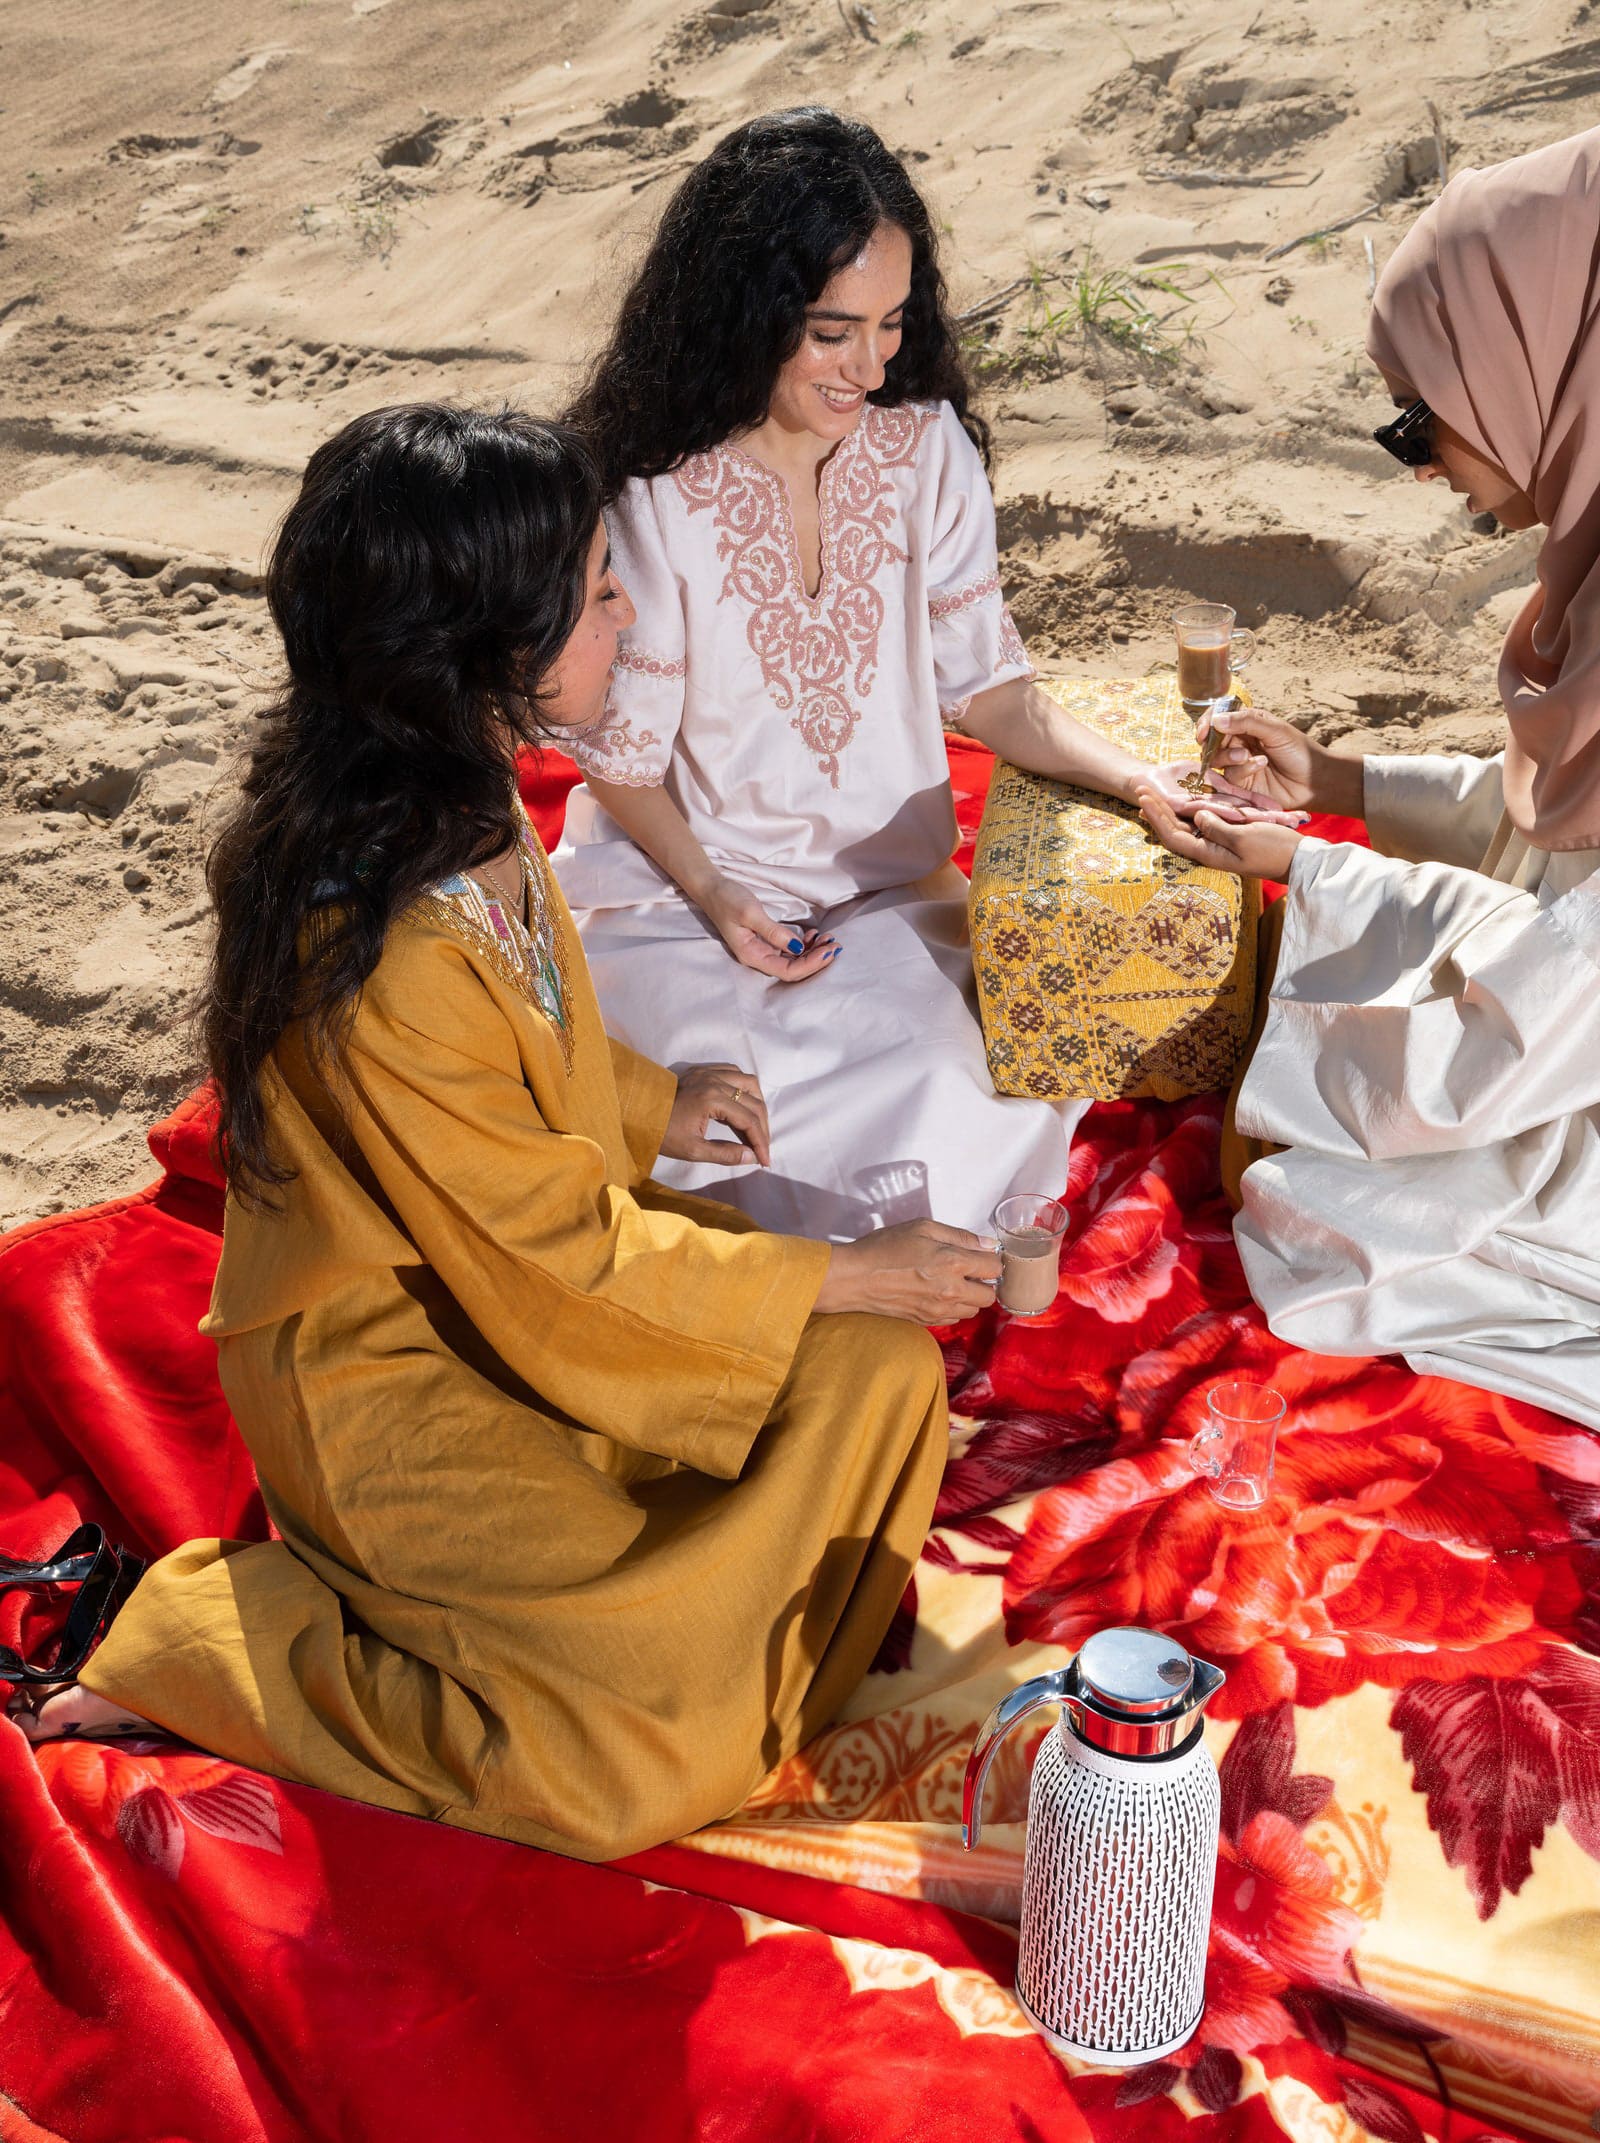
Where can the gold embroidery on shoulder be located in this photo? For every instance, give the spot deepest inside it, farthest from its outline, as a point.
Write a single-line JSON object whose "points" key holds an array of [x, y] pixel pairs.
{"points": [[531, 957]]}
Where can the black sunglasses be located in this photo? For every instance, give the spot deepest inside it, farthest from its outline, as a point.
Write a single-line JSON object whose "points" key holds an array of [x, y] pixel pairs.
{"points": [[1410, 437]]}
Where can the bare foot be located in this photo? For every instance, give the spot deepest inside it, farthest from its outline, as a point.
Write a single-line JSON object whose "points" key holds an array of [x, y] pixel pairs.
{"points": [[63, 1712]]}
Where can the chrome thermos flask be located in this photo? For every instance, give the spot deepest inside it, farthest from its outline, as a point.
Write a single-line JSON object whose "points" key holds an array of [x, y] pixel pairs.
{"points": [[1121, 1854]]}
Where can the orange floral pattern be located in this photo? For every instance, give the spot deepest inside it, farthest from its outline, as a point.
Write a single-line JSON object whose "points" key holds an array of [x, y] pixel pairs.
{"points": [[214, 1943]]}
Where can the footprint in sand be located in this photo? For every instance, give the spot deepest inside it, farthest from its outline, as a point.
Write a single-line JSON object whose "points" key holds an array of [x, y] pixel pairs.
{"points": [[417, 148], [643, 128]]}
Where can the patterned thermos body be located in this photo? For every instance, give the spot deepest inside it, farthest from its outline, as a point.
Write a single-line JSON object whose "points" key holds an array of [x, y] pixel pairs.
{"points": [[1123, 1813]]}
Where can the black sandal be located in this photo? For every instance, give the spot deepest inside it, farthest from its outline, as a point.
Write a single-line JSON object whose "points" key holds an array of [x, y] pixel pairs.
{"points": [[104, 1575]]}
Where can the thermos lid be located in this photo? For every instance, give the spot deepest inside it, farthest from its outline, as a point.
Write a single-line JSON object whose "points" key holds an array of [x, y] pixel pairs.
{"points": [[1134, 1671], [1131, 1693]]}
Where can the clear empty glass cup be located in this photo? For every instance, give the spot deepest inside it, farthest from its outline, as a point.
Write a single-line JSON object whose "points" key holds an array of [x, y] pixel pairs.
{"points": [[1234, 1449], [1029, 1230], [1211, 649]]}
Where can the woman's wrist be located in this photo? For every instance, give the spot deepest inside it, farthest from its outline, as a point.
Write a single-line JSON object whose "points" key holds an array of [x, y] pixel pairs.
{"points": [[1339, 785], [702, 884], [1130, 775], [833, 1291]]}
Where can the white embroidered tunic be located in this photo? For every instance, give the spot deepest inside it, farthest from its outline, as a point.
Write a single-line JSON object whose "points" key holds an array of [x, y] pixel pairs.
{"points": [[801, 737]]}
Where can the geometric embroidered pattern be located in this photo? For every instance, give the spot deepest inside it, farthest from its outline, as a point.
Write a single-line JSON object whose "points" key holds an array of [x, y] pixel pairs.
{"points": [[1106, 967], [818, 653]]}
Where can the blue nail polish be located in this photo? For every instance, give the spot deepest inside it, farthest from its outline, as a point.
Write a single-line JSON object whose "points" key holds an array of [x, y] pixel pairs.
{"points": [[836, 952], [797, 945]]}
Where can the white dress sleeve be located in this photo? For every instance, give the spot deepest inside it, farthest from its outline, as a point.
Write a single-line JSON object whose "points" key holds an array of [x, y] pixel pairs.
{"points": [[1421, 1009], [1435, 807], [633, 739], [975, 643]]}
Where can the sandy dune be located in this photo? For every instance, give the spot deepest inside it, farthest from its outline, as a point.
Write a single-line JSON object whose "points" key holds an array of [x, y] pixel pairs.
{"points": [[225, 230]]}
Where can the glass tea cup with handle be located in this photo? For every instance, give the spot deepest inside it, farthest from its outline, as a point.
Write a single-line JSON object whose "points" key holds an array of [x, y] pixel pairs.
{"points": [[1212, 650], [1029, 1229], [1236, 1444]]}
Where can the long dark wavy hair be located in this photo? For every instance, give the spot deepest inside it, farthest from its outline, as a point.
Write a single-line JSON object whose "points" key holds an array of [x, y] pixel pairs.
{"points": [[747, 243], [428, 575]]}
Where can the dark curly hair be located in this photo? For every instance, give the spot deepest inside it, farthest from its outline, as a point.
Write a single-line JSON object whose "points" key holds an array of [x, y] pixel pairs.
{"points": [[746, 244], [430, 572]]}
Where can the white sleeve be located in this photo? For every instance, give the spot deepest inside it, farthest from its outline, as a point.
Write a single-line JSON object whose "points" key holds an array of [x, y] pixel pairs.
{"points": [[1419, 1008], [633, 739], [975, 643], [1435, 807]]}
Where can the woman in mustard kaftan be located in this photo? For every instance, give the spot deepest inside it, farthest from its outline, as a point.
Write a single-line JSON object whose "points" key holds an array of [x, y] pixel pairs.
{"points": [[593, 1506], [485, 1606]]}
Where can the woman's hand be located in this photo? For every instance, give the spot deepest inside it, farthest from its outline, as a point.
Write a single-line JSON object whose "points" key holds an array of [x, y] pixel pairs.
{"points": [[1263, 755], [1171, 784], [718, 1094], [758, 940], [1258, 848], [922, 1271]]}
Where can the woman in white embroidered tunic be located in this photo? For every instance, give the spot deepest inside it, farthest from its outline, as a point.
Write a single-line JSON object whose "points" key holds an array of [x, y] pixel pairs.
{"points": [[1425, 1095], [804, 524]]}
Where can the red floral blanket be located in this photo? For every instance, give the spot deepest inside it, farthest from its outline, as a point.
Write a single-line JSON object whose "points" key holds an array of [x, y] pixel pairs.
{"points": [[1407, 1932]]}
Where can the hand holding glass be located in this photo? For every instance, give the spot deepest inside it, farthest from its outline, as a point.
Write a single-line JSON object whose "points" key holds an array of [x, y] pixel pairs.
{"points": [[1029, 1229], [1210, 655]]}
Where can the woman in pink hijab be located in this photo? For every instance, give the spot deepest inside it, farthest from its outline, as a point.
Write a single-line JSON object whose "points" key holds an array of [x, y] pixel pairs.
{"points": [[1425, 1093]]}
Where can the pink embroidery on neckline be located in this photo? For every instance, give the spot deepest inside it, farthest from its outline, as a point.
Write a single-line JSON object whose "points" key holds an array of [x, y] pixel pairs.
{"points": [[818, 653]]}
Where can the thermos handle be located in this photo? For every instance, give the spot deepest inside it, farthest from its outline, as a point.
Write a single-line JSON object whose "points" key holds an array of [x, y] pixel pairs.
{"points": [[1054, 1688]]}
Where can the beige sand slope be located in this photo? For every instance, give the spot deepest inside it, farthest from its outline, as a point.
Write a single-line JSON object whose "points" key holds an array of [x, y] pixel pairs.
{"points": [[223, 230]]}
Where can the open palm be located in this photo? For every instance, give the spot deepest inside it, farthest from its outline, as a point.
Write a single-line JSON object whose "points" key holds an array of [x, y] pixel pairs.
{"points": [[1170, 785]]}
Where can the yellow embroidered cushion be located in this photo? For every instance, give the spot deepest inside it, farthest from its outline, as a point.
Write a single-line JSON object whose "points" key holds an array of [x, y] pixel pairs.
{"points": [[1106, 967]]}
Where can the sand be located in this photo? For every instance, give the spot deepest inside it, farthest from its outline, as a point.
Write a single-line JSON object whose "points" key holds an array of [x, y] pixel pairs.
{"points": [[224, 231]]}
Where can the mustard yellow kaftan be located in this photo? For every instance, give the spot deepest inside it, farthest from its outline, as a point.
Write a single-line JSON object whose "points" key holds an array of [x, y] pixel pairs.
{"points": [[587, 1522]]}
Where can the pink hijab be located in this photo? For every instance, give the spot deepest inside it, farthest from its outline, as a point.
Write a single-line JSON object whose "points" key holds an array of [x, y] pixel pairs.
{"points": [[1490, 311]]}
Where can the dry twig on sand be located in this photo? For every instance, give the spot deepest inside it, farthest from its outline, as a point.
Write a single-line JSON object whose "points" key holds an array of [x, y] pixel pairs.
{"points": [[1546, 78], [995, 302], [1200, 175], [1326, 231]]}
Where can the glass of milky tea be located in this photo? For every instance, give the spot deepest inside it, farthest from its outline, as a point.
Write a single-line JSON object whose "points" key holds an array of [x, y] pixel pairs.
{"points": [[1211, 650], [1029, 1229]]}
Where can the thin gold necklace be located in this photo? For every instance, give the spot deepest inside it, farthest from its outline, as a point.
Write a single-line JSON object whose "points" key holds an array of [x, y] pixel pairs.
{"points": [[515, 897]]}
